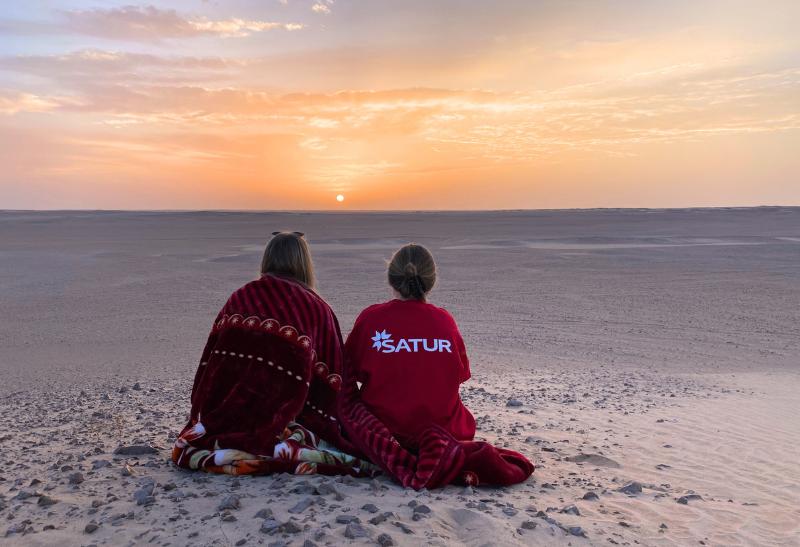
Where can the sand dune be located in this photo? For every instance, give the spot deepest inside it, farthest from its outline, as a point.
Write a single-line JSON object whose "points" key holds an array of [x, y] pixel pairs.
{"points": [[650, 374]]}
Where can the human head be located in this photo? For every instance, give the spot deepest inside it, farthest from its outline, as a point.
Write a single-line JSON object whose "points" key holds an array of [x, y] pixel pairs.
{"points": [[287, 253], [412, 272]]}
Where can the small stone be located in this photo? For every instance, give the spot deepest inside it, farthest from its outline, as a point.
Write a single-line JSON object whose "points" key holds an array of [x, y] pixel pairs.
{"points": [[301, 505], [385, 540], [576, 531], [380, 519], [424, 509], [76, 478], [591, 496], [510, 511], [135, 450], [137, 387], [354, 530], [263, 514], [90, 528], [529, 525], [309, 543], [100, 464], [347, 519], [228, 517], [514, 403], [632, 488], [46, 501], [241, 542], [144, 496], [229, 503], [290, 527], [370, 508], [269, 526], [571, 510], [684, 500]]}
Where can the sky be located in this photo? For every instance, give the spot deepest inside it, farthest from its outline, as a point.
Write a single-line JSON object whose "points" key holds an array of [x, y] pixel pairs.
{"points": [[418, 104]]}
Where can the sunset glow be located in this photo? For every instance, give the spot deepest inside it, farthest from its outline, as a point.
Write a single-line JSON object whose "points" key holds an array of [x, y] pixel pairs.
{"points": [[397, 105]]}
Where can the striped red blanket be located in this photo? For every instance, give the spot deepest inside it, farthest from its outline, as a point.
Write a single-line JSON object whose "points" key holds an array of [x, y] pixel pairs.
{"points": [[264, 395], [439, 459]]}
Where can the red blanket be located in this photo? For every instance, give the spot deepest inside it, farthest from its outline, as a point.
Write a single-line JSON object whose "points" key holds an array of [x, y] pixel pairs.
{"points": [[264, 396], [439, 460]]}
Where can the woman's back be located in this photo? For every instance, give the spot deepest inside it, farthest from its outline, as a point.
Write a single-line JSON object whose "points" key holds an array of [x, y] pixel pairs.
{"points": [[411, 360]]}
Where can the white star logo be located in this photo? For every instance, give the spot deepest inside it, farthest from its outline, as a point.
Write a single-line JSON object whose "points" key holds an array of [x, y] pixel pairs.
{"points": [[379, 338]]}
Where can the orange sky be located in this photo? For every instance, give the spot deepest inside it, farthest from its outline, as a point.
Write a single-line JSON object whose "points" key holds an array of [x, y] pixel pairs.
{"points": [[283, 104]]}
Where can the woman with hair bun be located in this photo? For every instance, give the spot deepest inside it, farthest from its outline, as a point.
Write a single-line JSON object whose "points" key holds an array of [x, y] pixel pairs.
{"points": [[407, 415], [409, 355]]}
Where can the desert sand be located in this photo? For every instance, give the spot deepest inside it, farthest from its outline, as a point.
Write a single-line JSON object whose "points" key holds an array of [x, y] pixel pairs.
{"points": [[648, 361]]}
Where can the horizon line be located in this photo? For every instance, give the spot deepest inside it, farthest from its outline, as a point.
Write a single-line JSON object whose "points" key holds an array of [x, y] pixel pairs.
{"points": [[378, 211]]}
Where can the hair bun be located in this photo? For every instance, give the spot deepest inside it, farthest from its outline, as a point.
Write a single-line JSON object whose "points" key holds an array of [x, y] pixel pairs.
{"points": [[410, 270]]}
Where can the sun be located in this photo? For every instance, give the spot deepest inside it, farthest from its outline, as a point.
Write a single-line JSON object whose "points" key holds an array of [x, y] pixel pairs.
{"points": [[339, 198]]}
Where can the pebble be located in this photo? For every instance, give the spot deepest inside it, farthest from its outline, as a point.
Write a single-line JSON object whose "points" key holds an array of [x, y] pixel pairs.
{"points": [[229, 503], [290, 527], [90, 528], [301, 505], [137, 387], [135, 450], [571, 510], [529, 525], [263, 514], [269, 526], [576, 531], [514, 403], [100, 464], [591, 496], [76, 478], [370, 508], [46, 501], [424, 509], [684, 500], [385, 540], [510, 511], [347, 519], [144, 496], [354, 530], [632, 488], [380, 519]]}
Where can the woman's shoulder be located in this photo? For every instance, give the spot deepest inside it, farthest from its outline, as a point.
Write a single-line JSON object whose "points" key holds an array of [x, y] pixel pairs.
{"points": [[373, 310]]}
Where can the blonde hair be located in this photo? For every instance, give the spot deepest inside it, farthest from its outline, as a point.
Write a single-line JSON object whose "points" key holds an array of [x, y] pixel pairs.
{"points": [[287, 253]]}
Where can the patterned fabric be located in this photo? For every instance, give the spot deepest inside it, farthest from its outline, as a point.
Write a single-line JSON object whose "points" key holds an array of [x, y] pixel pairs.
{"points": [[298, 451], [439, 460], [273, 358]]}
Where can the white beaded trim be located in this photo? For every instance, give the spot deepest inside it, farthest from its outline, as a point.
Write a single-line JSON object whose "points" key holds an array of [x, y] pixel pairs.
{"points": [[260, 360]]}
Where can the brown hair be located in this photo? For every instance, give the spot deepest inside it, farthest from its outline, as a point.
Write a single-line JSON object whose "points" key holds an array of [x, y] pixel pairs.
{"points": [[287, 253], [412, 271]]}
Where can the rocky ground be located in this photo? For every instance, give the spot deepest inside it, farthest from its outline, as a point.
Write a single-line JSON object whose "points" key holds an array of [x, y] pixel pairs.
{"points": [[91, 466]]}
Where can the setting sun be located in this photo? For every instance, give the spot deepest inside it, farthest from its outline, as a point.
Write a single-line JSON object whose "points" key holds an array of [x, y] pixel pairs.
{"points": [[339, 198]]}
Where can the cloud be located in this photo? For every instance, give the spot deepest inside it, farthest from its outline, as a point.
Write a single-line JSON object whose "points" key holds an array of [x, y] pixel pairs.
{"points": [[322, 7], [152, 23], [14, 102], [119, 67]]}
